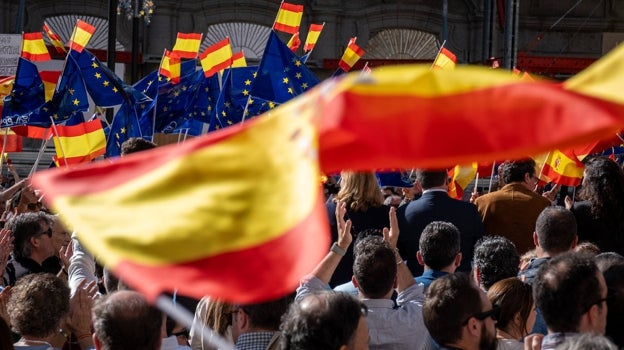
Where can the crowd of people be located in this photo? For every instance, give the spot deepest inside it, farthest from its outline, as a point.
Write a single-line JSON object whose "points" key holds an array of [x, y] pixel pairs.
{"points": [[408, 269]]}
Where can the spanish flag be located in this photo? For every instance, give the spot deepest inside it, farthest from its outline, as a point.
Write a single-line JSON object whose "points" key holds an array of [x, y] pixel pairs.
{"points": [[294, 42], [216, 57], [81, 36], [245, 231], [33, 47], [54, 39], [352, 54], [288, 18], [13, 143], [461, 176], [49, 78], [238, 59], [170, 66], [78, 143], [445, 60], [562, 168], [313, 34], [187, 45]]}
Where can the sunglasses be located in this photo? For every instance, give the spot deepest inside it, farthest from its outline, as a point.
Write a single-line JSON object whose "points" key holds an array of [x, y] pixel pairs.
{"points": [[494, 313], [48, 232]]}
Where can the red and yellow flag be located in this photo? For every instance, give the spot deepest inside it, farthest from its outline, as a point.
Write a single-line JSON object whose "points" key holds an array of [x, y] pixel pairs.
{"points": [[50, 78], [562, 167], [445, 60], [244, 231], [81, 36], [170, 66], [352, 54], [54, 39], [187, 45], [34, 48], [313, 34], [14, 142], [238, 59], [294, 42], [288, 18], [460, 177], [216, 57], [78, 143]]}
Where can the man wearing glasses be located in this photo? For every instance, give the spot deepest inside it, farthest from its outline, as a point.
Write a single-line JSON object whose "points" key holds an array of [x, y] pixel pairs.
{"points": [[32, 244], [571, 293], [459, 315]]}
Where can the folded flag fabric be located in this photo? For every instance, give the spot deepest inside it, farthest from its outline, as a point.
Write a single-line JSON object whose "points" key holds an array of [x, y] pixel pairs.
{"points": [[216, 57], [244, 231], [34, 48], [313, 34], [445, 60], [170, 66], [54, 39], [294, 42], [460, 177], [27, 95], [187, 45], [288, 18], [78, 143], [81, 36], [352, 54]]}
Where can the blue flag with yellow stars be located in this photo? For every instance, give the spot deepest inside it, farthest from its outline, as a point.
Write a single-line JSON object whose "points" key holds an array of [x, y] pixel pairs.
{"points": [[282, 75], [125, 125], [25, 98], [205, 98], [70, 95]]}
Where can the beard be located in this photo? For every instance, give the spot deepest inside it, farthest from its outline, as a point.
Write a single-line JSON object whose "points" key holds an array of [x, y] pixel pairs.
{"points": [[488, 340]]}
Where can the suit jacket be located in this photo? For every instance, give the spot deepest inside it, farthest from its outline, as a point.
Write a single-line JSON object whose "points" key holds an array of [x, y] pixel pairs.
{"points": [[437, 206], [511, 212]]}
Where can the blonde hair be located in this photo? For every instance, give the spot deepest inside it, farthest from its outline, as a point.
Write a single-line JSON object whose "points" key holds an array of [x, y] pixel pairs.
{"points": [[360, 190]]}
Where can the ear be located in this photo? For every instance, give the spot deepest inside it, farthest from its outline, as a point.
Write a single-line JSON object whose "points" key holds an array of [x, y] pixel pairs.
{"points": [[474, 327], [476, 274], [458, 259], [535, 239], [243, 321], [396, 283], [34, 242], [420, 259], [354, 281], [96, 342], [574, 242], [527, 177]]}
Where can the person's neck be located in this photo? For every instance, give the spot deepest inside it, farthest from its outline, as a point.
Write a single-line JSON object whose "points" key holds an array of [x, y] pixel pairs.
{"points": [[449, 269], [437, 188], [36, 257], [37, 341], [508, 334]]}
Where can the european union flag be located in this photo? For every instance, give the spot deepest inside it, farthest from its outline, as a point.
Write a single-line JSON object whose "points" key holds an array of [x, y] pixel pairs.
{"points": [[148, 86], [70, 95], [25, 98], [205, 98], [175, 101], [125, 125], [282, 75], [192, 127]]}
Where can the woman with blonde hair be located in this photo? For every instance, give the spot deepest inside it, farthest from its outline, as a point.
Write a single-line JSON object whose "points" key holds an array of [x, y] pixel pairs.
{"points": [[517, 312], [361, 194], [214, 314]]}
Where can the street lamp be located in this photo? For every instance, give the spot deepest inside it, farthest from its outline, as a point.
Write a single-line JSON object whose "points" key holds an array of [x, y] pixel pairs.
{"points": [[135, 10]]}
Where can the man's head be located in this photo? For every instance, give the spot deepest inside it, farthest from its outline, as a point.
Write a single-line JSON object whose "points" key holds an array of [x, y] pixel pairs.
{"points": [[33, 236], [439, 246], [61, 237], [326, 320], [37, 305], [136, 144], [522, 170], [431, 178], [571, 293], [456, 312], [614, 278], [262, 317], [374, 267], [125, 321], [555, 231], [495, 258]]}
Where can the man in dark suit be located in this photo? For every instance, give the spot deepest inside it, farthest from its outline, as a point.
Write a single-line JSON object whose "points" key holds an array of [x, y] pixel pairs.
{"points": [[436, 205]]}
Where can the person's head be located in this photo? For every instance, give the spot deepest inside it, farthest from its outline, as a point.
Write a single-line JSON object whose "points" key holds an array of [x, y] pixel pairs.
{"points": [[586, 341], [360, 190], [608, 259], [136, 144], [374, 267], [37, 305], [515, 299], [614, 278], [603, 187], [33, 236], [439, 246], [218, 315], [520, 171], [124, 320], [587, 248], [259, 317], [61, 237], [495, 258], [326, 320], [456, 312], [571, 293], [555, 231], [431, 178]]}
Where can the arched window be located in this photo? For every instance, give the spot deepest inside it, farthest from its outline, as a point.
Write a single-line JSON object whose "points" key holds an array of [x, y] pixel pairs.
{"points": [[402, 44]]}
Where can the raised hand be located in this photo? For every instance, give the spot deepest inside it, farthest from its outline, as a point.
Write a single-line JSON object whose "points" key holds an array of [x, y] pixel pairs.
{"points": [[392, 235]]}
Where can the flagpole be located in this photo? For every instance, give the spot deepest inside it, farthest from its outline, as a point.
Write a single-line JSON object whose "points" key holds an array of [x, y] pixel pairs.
{"points": [[439, 51], [157, 88], [183, 316], [312, 49], [44, 144], [492, 177], [55, 134]]}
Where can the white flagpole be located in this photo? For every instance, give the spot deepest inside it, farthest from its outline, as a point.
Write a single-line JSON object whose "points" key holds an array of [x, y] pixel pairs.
{"points": [[44, 144]]}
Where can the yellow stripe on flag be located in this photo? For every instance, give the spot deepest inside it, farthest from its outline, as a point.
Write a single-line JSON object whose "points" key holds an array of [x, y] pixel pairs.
{"points": [[445, 60], [81, 36], [216, 57], [313, 35], [34, 48], [91, 142], [238, 59], [288, 18], [187, 45]]}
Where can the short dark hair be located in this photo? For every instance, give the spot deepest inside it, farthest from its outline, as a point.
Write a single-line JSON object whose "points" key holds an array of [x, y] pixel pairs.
{"points": [[374, 267], [513, 171], [605, 260], [125, 321], [564, 287], [23, 227], [556, 228], [449, 302], [431, 178], [439, 244], [136, 144], [324, 320], [496, 258], [37, 304], [268, 315]]}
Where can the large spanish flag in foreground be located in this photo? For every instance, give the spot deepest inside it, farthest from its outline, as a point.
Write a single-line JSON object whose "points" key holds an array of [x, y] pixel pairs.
{"points": [[237, 214]]}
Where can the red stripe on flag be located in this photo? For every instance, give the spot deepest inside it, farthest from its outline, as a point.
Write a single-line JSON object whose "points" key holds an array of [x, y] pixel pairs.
{"points": [[34, 132]]}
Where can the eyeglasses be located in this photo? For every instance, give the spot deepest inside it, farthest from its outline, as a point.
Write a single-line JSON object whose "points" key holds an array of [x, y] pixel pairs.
{"points": [[182, 333], [48, 232], [494, 313]]}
